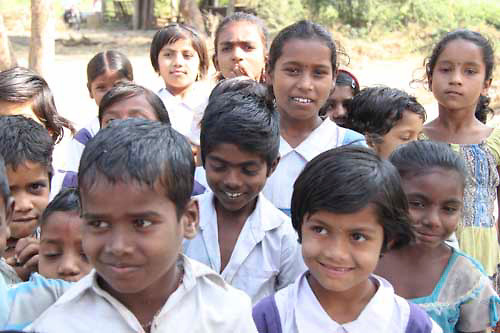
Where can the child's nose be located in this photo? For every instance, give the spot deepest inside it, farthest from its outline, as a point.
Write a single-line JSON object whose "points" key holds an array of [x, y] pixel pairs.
{"points": [[119, 243], [232, 179], [456, 77], [237, 53], [337, 250], [69, 266], [431, 219], [24, 202], [305, 82]]}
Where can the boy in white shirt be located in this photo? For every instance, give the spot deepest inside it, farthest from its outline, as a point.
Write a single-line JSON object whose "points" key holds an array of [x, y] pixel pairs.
{"points": [[242, 235], [135, 180]]}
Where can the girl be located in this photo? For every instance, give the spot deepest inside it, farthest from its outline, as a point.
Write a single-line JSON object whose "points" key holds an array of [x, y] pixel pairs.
{"points": [[346, 87], [387, 117], [449, 285], [348, 208], [61, 253], [240, 47], [459, 72], [103, 71], [301, 73], [179, 55], [23, 92]]}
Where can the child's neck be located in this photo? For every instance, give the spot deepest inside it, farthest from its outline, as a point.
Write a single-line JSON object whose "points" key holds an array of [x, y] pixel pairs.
{"points": [[180, 93], [344, 307], [295, 131]]}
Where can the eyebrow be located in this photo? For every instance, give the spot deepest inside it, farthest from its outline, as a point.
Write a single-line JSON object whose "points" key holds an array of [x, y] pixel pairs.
{"points": [[243, 164], [295, 63], [467, 63], [93, 216], [353, 229]]}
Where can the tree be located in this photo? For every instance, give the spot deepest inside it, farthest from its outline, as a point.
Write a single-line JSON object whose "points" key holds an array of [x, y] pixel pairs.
{"points": [[42, 45], [143, 14], [191, 13], [7, 57]]}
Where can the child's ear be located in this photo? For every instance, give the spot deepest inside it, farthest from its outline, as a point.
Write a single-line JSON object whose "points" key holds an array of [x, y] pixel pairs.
{"points": [[216, 63], [90, 91], [486, 87], [190, 219], [369, 141], [273, 166]]}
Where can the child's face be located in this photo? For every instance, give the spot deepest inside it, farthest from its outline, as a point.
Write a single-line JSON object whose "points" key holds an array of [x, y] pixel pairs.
{"points": [[29, 186], [236, 177], [5, 217], [178, 64], [241, 51], [21, 109], [435, 199], [132, 236], [133, 107], [103, 83], [61, 251], [459, 76], [302, 78], [407, 129], [341, 250], [337, 111]]}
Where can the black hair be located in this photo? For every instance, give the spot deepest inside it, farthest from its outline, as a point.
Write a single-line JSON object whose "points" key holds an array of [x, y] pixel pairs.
{"points": [[22, 85], [233, 84], [125, 90], [375, 111], [141, 151], [347, 179], [248, 114], [173, 32], [417, 157], [24, 140], [241, 17], [301, 30], [109, 60], [4, 183], [67, 200], [345, 78], [487, 51]]}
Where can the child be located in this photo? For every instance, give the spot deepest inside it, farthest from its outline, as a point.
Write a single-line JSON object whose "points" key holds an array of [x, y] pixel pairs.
{"points": [[179, 55], [61, 253], [348, 209], [301, 73], [124, 100], [459, 72], [27, 150], [103, 71], [387, 117], [135, 183], [240, 47], [23, 92], [449, 285], [346, 87], [240, 229]]}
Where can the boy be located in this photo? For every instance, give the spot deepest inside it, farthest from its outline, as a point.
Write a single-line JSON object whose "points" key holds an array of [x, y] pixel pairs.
{"points": [[135, 180], [242, 235], [26, 147]]}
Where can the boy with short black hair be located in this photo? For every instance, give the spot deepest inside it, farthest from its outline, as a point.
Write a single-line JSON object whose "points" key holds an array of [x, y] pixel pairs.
{"points": [[26, 147], [242, 235], [135, 180]]}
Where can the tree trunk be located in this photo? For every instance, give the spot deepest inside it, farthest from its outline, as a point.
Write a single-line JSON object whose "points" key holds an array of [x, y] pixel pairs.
{"points": [[143, 14], [230, 7], [192, 15], [7, 57], [42, 44]]}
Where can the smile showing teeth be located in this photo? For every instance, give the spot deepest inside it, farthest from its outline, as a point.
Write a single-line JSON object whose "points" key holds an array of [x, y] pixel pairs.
{"points": [[302, 100], [233, 195]]}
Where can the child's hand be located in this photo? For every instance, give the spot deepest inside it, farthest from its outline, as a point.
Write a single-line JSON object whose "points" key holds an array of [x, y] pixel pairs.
{"points": [[25, 259]]}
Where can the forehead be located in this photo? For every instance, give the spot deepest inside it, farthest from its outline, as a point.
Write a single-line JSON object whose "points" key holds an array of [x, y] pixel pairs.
{"points": [[409, 120], [62, 224], [366, 217], [461, 51], [182, 44], [240, 31], [435, 182], [341, 93], [134, 103], [108, 76], [26, 172], [311, 52], [233, 154]]}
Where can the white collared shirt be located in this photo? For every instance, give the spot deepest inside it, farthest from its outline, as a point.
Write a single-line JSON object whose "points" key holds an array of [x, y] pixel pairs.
{"points": [[300, 311], [328, 135], [266, 257], [185, 114], [202, 303]]}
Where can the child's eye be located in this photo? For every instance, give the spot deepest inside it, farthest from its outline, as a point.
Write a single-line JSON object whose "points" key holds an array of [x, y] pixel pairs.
{"points": [[291, 71], [37, 187], [188, 55], [250, 172], [445, 69], [450, 210], [320, 72], [84, 256], [52, 255], [141, 223], [416, 204], [358, 237], [248, 47], [319, 230], [98, 224], [470, 71]]}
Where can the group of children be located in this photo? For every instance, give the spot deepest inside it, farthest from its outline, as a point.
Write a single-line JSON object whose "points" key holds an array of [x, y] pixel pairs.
{"points": [[286, 188]]}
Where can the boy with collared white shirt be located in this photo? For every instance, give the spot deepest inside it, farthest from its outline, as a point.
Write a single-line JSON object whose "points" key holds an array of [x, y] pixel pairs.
{"points": [[242, 235], [135, 181]]}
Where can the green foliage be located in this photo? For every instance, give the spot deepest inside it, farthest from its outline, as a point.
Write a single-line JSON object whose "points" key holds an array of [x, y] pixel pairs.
{"points": [[279, 14]]}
